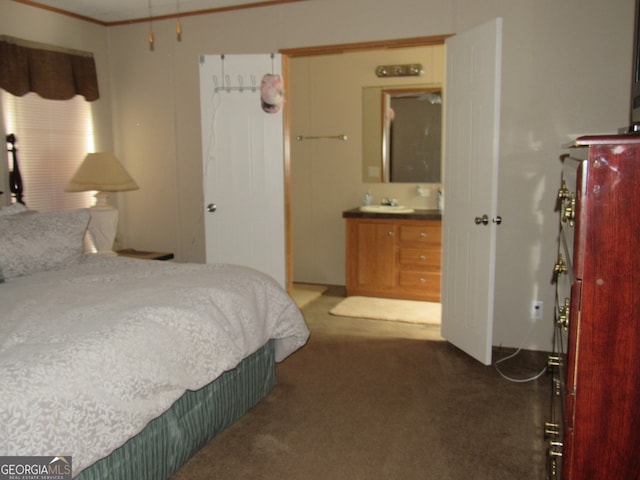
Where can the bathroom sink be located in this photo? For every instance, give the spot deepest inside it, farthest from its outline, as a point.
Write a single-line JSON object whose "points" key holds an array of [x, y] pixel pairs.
{"points": [[386, 209]]}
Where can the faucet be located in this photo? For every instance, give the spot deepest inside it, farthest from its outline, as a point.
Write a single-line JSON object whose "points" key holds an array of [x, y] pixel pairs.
{"points": [[389, 201]]}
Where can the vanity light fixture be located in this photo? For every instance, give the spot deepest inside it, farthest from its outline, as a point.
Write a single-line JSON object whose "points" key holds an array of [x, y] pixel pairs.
{"points": [[409, 70]]}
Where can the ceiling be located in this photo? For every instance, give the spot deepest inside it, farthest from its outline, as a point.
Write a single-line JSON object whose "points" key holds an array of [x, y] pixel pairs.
{"points": [[114, 11]]}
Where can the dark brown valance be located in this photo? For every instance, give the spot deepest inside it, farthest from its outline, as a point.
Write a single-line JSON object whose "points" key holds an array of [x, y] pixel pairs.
{"points": [[51, 72]]}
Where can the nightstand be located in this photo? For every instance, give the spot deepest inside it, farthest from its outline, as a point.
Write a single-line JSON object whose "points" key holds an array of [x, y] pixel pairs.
{"points": [[130, 252]]}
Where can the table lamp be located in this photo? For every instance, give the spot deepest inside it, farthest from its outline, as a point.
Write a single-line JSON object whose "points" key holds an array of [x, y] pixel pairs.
{"points": [[104, 173]]}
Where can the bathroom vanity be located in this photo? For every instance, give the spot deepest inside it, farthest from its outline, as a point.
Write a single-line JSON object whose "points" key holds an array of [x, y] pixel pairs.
{"points": [[394, 255]]}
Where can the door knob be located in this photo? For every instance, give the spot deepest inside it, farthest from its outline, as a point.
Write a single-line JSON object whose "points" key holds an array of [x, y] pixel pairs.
{"points": [[484, 220], [497, 220], [211, 207]]}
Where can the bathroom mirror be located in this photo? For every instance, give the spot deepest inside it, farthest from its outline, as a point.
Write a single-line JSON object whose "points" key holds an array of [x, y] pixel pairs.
{"points": [[402, 134]]}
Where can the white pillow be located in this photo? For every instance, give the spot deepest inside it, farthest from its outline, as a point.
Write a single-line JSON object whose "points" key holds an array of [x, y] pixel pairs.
{"points": [[13, 209], [41, 241]]}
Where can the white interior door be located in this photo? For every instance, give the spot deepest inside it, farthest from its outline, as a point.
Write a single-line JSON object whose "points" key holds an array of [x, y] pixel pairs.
{"points": [[243, 164], [471, 169]]}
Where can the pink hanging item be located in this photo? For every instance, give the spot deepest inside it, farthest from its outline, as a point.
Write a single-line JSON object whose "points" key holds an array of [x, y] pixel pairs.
{"points": [[271, 93]]}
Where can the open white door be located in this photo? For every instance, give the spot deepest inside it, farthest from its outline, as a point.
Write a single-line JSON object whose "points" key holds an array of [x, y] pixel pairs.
{"points": [[471, 174], [243, 164]]}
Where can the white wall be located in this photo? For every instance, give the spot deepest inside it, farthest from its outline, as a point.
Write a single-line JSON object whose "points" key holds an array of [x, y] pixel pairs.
{"points": [[566, 70]]}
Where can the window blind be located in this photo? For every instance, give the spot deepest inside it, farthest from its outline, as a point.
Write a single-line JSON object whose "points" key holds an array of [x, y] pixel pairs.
{"points": [[52, 139]]}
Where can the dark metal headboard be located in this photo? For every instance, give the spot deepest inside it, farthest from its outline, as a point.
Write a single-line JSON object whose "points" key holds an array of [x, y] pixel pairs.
{"points": [[15, 179]]}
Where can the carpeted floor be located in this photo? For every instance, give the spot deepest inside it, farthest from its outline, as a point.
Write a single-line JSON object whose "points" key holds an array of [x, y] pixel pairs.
{"points": [[305, 293], [367, 400]]}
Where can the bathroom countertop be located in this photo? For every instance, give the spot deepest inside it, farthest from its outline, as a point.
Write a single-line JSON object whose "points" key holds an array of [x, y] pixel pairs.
{"points": [[417, 214]]}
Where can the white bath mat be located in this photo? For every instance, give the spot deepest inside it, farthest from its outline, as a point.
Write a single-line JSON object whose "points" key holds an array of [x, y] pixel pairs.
{"points": [[410, 311]]}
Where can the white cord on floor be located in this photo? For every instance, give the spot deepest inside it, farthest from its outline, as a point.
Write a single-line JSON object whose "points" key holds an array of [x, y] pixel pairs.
{"points": [[518, 380]]}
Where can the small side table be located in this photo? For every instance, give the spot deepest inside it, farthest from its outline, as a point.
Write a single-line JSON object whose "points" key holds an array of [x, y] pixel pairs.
{"points": [[130, 252]]}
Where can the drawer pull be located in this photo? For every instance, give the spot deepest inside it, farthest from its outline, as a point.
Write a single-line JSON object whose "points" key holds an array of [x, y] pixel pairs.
{"points": [[423, 235], [563, 192], [423, 280], [569, 213], [560, 266], [423, 257], [563, 314], [554, 361], [551, 429], [390, 233], [555, 449]]}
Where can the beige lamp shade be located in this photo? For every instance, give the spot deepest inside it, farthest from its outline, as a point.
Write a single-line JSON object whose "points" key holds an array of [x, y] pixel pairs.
{"points": [[101, 171]]}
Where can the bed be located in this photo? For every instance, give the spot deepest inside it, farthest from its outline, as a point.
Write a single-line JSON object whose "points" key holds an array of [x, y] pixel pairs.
{"points": [[127, 366]]}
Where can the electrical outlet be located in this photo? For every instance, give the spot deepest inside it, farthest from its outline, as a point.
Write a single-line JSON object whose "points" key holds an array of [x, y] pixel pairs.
{"points": [[536, 310]]}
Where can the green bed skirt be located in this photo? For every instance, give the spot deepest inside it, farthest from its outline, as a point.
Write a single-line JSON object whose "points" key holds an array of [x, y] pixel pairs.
{"points": [[168, 441]]}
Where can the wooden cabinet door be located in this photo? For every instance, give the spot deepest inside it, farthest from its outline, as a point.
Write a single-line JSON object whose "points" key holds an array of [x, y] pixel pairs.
{"points": [[371, 256]]}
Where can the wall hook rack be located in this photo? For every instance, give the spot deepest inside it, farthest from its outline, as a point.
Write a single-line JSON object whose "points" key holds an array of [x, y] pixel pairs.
{"points": [[240, 87]]}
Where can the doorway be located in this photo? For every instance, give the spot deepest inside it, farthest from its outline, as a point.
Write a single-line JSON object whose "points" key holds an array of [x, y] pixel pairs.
{"points": [[323, 179], [473, 81]]}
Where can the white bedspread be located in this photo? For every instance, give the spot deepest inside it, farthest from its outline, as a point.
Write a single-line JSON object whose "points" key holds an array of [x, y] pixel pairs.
{"points": [[90, 354]]}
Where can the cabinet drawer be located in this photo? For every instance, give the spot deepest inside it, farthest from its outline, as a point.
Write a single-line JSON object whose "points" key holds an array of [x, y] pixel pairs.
{"points": [[430, 233], [422, 280], [420, 258]]}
